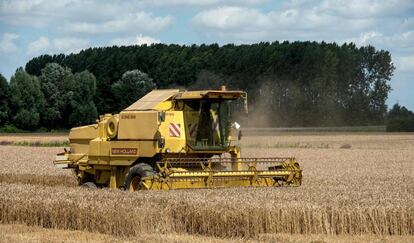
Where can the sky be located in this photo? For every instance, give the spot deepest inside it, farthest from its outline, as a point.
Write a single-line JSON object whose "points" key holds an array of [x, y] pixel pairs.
{"points": [[29, 28]]}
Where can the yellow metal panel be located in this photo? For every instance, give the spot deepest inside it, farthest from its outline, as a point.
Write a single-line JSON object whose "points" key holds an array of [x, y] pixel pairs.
{"points": [[124, 148], [190, 95], [79, 138], [98, 151], [199, 183], [197, 174], [79, 146], [112, 181], [164, 106], [124, 152], [136, 125], [127, 152], [175, 144], [94, 147], [152, 99], [86, 132], [147, 148]]}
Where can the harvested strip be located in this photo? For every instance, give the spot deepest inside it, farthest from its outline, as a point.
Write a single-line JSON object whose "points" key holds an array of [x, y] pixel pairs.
{"points": [[23, 233], [30, 160]]}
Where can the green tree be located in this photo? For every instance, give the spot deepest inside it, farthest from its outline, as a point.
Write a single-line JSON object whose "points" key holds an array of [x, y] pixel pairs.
{"points": [[132, 86], [400, 119], [83, 107], [4, 100], [56, 83], [377, 69], [26, 100], [398, 111]]}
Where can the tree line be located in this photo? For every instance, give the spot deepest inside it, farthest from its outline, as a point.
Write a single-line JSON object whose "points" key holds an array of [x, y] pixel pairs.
{"points": [[58, 98], [400, 119], [288, 83]]}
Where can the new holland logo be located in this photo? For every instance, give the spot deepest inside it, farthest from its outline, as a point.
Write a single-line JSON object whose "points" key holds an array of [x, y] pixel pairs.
{"points": [[175, 130], [124, 151]]}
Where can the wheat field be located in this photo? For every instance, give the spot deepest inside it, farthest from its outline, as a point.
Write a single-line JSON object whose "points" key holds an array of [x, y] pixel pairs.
{"points": [[363, 191]]}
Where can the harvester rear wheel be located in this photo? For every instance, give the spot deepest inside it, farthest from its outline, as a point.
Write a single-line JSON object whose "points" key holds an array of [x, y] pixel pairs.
{"points": [[135, 173], [89, 185]]}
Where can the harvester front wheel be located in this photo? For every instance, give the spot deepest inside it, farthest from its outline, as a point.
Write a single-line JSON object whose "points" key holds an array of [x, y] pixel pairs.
{"points": [[135, 174]]}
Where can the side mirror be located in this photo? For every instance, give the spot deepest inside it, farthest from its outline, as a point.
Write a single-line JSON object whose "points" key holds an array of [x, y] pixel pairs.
{"points": [[237, 127]]}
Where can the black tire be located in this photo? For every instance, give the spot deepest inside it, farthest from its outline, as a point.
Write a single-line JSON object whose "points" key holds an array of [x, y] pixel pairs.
{"points": [[89, 185], [135, 174]]}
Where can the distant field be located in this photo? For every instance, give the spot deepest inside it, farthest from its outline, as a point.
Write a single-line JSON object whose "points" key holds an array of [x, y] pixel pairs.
{"points": [[35, 139], [61, 139], [357, 187], [310, 130]]}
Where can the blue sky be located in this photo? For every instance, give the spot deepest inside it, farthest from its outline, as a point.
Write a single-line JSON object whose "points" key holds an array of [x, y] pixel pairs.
{"points": [[29, 28]]}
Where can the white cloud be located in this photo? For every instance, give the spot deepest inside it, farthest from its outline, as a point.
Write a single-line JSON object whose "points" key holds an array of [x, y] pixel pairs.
{"points": [[64, 45], [86, 17], [400, 42], [137, 40], [7, 42], [96, 14], [228, 18], [247, 24], [202, 2], [408, 23], [31, 12], [70, 44], [365, 8], [137, 22], [38, 46], [405, 63], [328, 20]]}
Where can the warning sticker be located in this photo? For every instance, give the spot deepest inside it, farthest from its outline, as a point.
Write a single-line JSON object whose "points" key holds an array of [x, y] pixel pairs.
{"points": [[175, 130]]}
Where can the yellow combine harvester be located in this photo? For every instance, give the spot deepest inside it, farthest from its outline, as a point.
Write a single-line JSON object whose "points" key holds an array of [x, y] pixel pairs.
{"points": [[171, 139]]}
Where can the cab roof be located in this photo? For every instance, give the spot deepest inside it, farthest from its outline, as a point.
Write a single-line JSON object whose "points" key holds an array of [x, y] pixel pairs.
{"points": [[152, 99], [155, 97], [209, 94]]}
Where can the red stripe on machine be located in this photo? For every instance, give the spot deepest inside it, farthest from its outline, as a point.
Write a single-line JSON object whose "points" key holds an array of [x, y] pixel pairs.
{"points": [[175, 130]]}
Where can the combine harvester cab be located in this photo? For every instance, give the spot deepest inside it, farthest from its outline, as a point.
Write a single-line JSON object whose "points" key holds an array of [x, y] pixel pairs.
{"points": [[171, 139]]}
